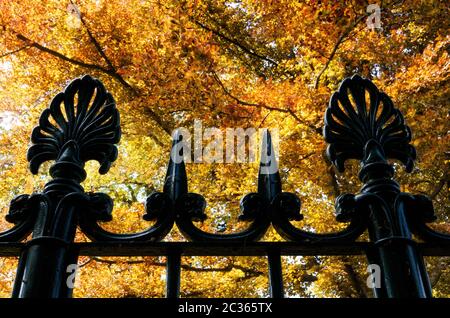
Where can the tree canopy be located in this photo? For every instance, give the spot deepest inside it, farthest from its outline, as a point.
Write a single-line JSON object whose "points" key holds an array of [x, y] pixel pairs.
{"points": [[243, 63]]}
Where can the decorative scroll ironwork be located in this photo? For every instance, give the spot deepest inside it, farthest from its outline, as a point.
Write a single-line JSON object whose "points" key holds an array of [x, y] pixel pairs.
{"points": [[268, 205], [421, 212], [82, 123], [22, 213]]}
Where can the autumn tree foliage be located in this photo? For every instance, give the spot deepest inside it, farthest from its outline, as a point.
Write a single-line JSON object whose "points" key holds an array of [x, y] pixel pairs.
{"points": [[243, 63]]}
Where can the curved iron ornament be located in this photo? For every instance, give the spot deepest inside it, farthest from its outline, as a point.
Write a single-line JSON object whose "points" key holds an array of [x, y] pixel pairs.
{"points": [[92, 125], [190, 206], [362, 123], [81, 124], [268, 206], [159, 207], [22, 213], [421, 212], [285, 207], [358, 112]]}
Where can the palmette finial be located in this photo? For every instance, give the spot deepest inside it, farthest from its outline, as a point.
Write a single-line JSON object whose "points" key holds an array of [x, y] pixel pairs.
{"points": [[359, 114], [81, 124]]}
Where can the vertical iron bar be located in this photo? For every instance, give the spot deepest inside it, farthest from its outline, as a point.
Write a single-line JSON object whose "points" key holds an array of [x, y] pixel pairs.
{"points": [[44, 264], [43, 268], [173, 273], [19, 274], [269, 185], [275, 274], [402, 270], [175, 185]]}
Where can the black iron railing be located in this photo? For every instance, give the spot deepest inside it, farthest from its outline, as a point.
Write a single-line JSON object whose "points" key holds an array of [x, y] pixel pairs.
{"points": [[82, 123]]}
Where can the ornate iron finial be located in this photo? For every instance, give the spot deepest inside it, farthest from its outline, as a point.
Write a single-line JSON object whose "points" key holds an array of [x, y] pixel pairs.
{"points": [[362, 123], [81, 124], [360, 120]]}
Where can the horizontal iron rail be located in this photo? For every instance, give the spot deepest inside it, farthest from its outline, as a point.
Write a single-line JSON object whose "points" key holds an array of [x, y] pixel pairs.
{"points": [[119, 249]]}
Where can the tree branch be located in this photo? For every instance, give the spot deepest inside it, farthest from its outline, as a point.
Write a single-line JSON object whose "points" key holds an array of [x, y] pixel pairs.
{"points": [[228, 268], [236, 43], [95, 67], [15, 51], [341, 38], [356, 282], [94, 41], [102, 53], [437, 189], [264, 106], [61, 56]]}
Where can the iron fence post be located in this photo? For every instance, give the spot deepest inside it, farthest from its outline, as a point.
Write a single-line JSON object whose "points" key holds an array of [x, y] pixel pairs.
{"points": [[362, 123], [81, 124]]}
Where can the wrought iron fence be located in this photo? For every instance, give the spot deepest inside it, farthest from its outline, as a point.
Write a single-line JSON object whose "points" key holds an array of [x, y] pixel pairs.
{"points": [[82, 123]]}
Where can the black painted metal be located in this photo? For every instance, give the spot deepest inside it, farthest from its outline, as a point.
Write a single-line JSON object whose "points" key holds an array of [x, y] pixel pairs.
{"points": [[173, 274], [275, 274], [82, 124], [362, 123], [261, 248], [71, 135]]}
